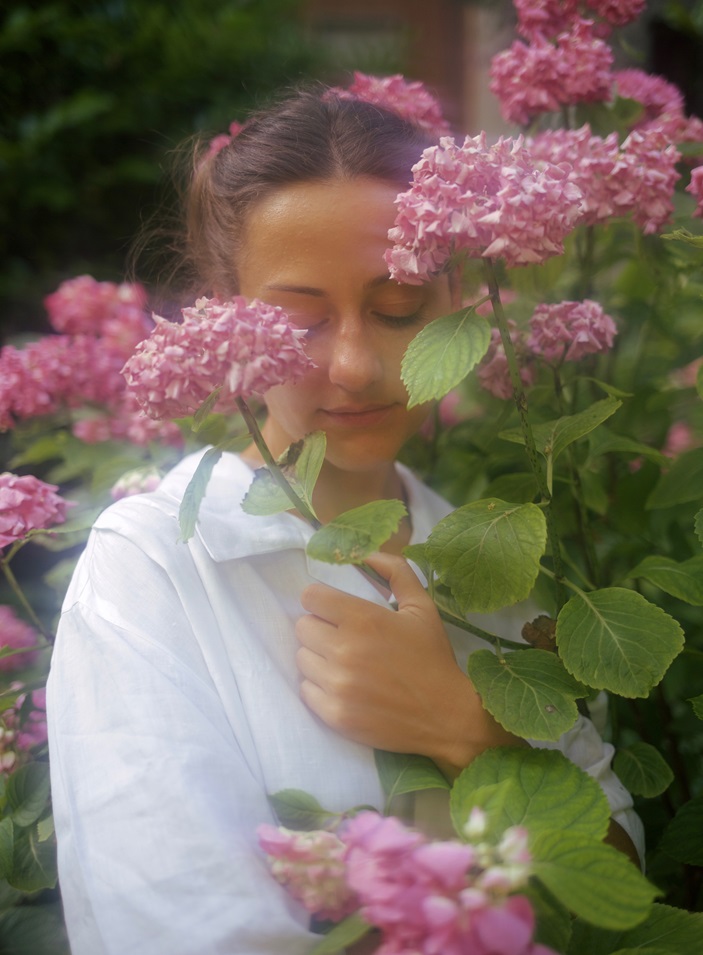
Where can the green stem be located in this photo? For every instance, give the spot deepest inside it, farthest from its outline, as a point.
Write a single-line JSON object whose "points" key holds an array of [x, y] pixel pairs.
{"points": [[273, 466], [491, 638], [19, 593], [526, 428]]}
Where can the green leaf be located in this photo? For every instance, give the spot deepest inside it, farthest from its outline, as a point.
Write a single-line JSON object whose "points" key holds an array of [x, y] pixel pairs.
{"points": [[443, 354], [28, 793], [195, 492], [697, 704], [593, 880], [552, 437], [670, 930], [343, 934], [520, 487], [604, 441], [354, 534], [683, 482], [698, 525], [643, 770], [37, 928], [553, 919], [550, 792], [614, 639], [297, 809], [488, 553], [45, 828], [683, 235], [683, 580], [683, 837], [34, 863], [7, 843], [300, 464], [406, 773], [529, 692]]}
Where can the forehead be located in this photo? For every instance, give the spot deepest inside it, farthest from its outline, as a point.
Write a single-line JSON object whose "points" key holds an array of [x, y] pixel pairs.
{"points": [[337, 225]]}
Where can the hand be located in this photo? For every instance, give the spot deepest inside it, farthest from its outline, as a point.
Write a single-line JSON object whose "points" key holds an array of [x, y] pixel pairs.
{"points": [[389, 679]]}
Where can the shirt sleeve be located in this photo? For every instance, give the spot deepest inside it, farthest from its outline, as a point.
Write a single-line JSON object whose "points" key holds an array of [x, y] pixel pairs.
{"points": [[156, 806]]}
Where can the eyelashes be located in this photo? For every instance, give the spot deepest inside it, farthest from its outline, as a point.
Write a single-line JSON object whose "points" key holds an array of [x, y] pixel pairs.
{"points": [[400, 321]]}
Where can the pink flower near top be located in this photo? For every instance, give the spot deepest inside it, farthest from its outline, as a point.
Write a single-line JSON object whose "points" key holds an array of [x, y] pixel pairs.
{"points": [[617, 12], [410, 100], [17, 635], [28, 504], [695, 187], [568, 331], [242, 347], [547, 18], [488, 201], [85, 306], [310, 865], [541, 77]]}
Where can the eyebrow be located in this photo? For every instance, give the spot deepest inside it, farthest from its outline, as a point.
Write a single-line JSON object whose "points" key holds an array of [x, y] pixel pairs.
{"points": [[320, 293]]}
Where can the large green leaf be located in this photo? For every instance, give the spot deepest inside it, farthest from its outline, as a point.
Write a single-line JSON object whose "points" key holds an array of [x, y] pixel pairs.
{"points": [[443, 354], [488, 553], [683, 580], [300, 463], [697, 704], [7, 844], [550, 792], [195, 492], [643, 770], [297, 809], [552, 437], [28, 793], [406, 773], [593, 880], [33, 863], [529, 692], [614, 639], [355, 534], [674, 931], [553, 919], [683, 837], [36, 929], [682, 483], [604, 441]]}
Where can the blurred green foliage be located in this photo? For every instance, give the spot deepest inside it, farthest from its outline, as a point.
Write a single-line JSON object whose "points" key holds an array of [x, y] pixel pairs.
{"points": [[94, 95]]}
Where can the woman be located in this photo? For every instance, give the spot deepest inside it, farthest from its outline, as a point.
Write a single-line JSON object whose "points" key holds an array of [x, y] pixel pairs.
{"points": [[190, 681]]}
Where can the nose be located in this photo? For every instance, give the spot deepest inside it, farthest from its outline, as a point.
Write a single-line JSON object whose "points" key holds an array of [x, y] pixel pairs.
{"points": [[354, 362]]}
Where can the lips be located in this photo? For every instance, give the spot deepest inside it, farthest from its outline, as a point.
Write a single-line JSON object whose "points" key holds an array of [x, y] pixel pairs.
{"points": [[353, 416]]}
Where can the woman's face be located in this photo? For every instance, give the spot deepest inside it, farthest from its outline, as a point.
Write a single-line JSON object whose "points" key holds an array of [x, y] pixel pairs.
{"points": [[316, 249]]}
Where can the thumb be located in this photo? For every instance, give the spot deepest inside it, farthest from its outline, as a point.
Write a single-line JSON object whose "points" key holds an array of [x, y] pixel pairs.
{"points": [[402, 580]]}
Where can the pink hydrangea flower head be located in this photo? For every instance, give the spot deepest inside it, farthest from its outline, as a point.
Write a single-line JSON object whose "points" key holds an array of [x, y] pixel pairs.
{"points": [[411, 100], [16, 634], [617, 12], [568, 331], [311, 867], [649, 176], [544, 18], [656, 94], [218, 143], [487, 201], [19, 733], [695, 187], [680, 438], [84, 306], [33, 730], [28, 504], [542, 77], [241, 347]]}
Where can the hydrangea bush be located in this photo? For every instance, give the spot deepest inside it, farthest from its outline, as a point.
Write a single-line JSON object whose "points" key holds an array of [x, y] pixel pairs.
{"points": [[569, 434]]}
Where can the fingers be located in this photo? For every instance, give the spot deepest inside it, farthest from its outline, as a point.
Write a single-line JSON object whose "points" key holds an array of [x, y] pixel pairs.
{"points": [[402, 579]]}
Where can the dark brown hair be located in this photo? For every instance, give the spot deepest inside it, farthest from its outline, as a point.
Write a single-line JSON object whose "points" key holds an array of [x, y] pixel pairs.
{"points": [[311, 136]]}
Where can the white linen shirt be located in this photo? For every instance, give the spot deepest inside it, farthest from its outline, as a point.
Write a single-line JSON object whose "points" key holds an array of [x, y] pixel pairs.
{"points": [[174, 710]]}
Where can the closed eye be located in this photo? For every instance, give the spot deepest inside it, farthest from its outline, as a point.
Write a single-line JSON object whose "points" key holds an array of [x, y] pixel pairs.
{"points": [[400, 321]]}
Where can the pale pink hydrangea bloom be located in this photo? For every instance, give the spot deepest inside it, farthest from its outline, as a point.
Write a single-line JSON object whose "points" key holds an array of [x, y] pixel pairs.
{"points": [[617, 12], [243, 347], [542, 77], [16, 634], [426, 897], [310, 865], [411, 100], [18, 737], [680, 437], [636, 178], [550, 17], [656, 94], [493, 373], [85, 306], [136, 481], [218, 143], [491, 201], [27, 504], [695, 187], [568, 331]]}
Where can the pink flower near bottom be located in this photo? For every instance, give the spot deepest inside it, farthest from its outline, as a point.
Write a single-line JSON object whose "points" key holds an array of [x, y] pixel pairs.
{"points": [[568, 331], [493, 372], [411, 100], [17, 635], [28, 504]]}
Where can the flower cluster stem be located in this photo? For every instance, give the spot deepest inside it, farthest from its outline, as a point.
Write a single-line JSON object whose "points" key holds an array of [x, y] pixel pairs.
{"points": [[19, 593], [528, 436]]}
